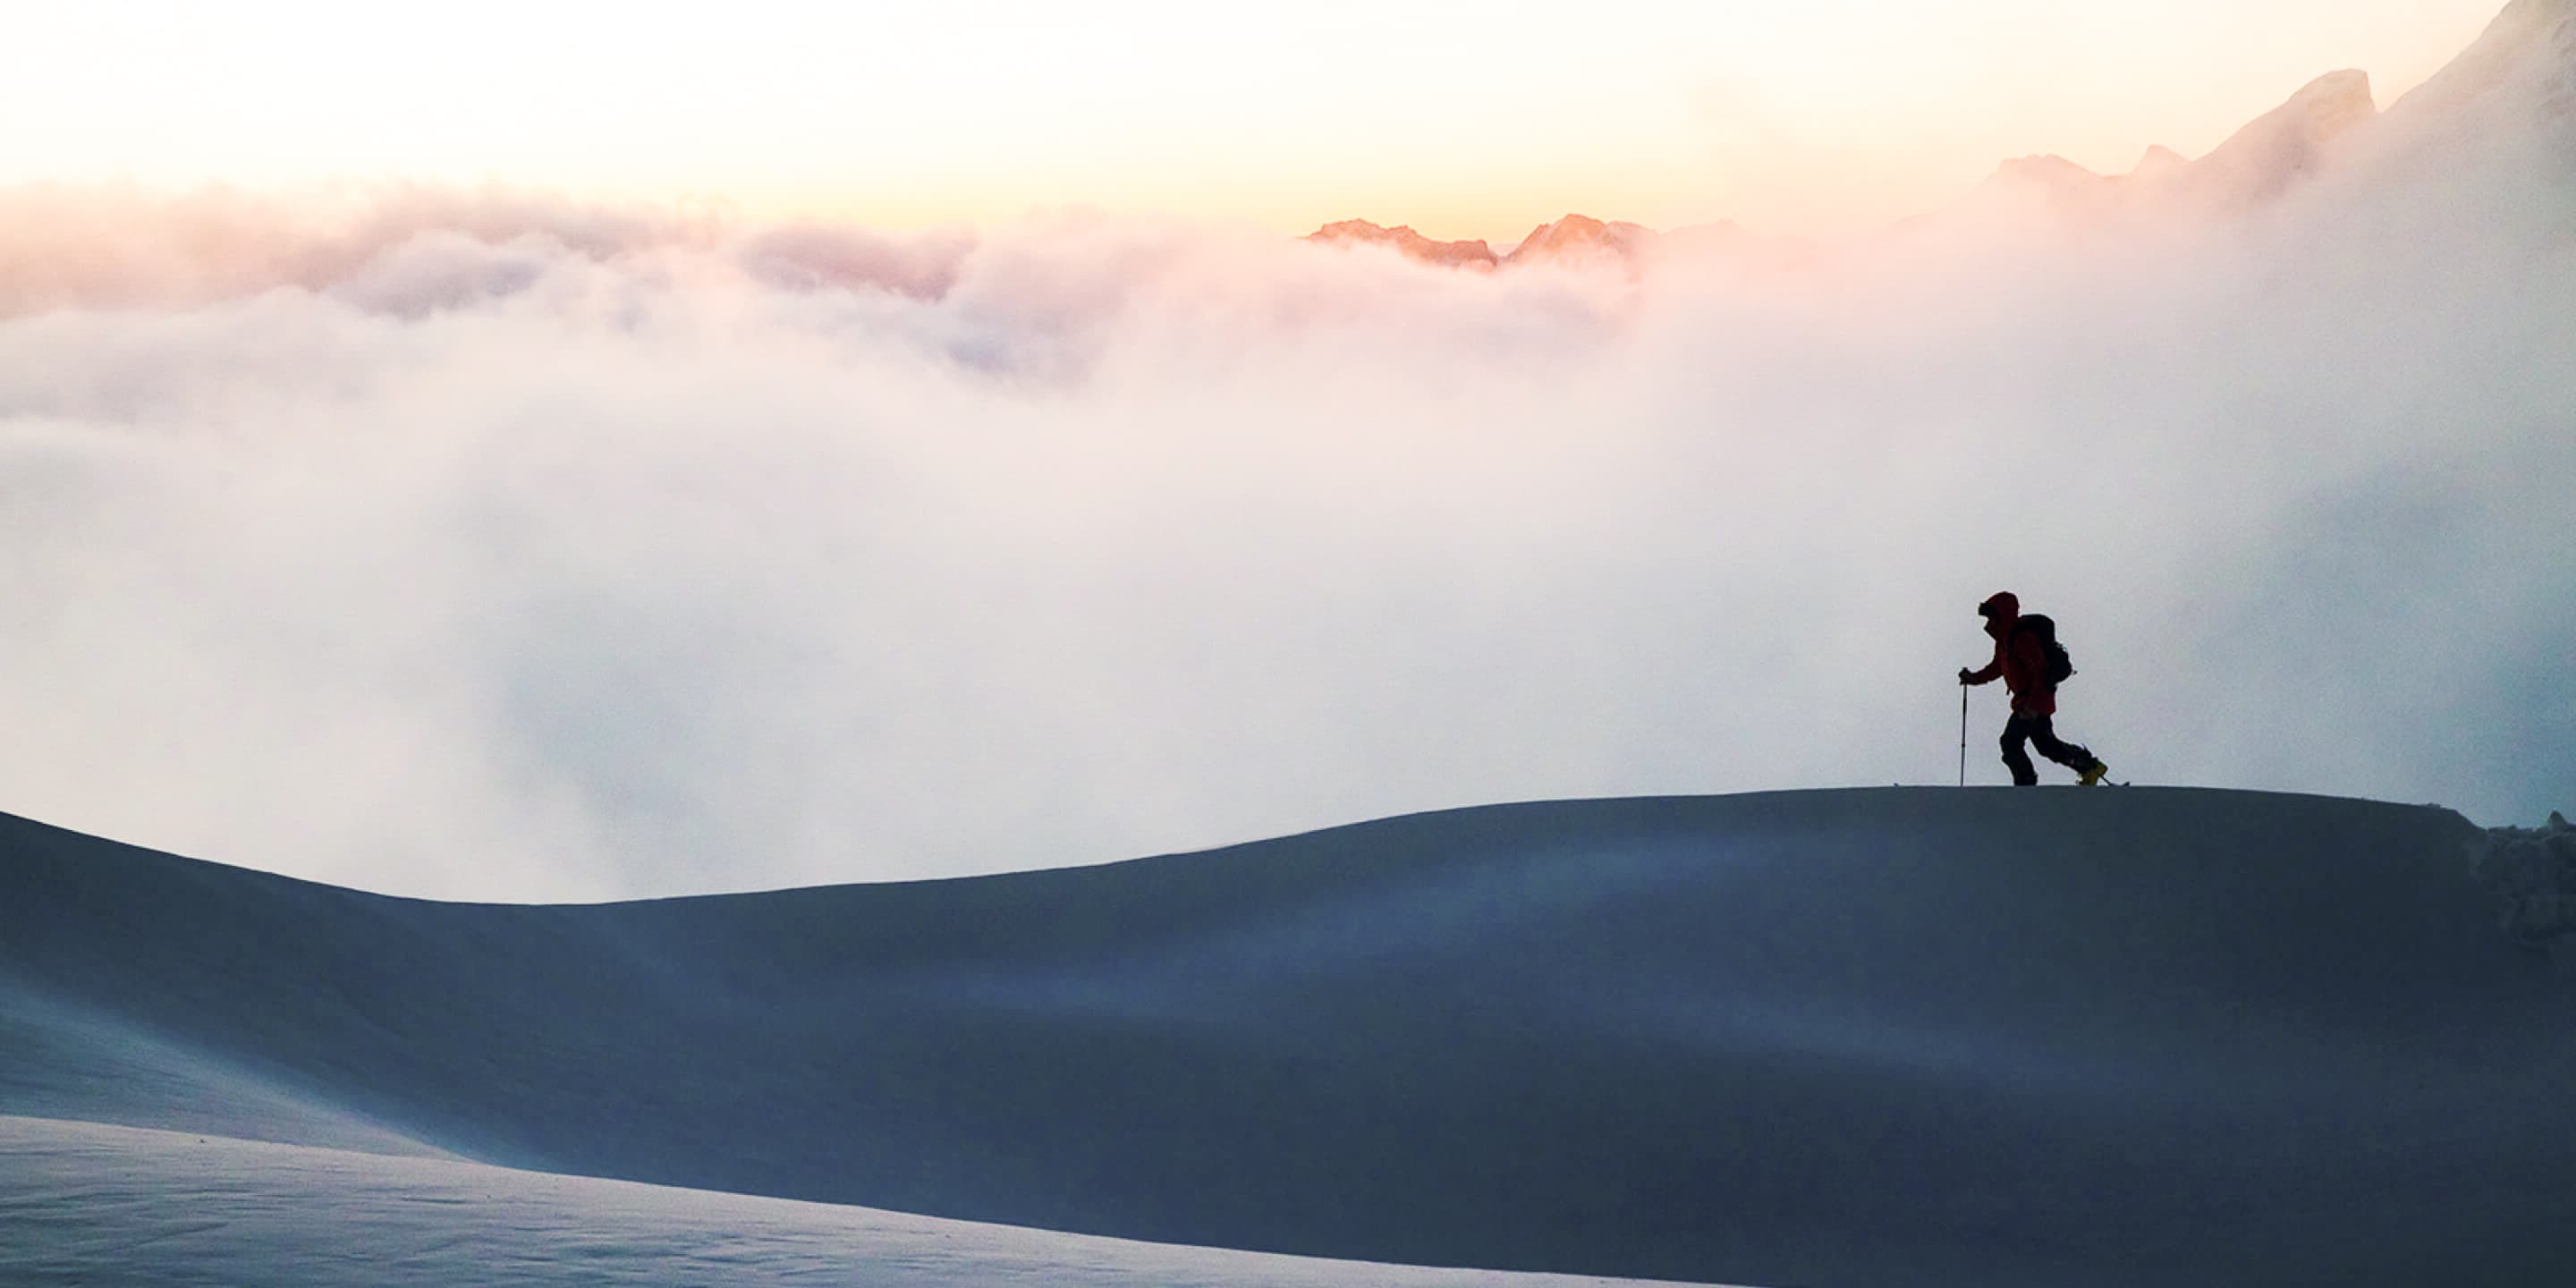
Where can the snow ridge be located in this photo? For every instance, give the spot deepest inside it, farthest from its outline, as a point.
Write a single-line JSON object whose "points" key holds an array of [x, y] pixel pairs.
{"points": [[1880, 1037], [2531, 40]]}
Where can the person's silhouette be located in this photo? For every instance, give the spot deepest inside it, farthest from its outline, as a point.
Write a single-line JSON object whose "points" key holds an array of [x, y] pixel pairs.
{"points": [[2023, 646]]}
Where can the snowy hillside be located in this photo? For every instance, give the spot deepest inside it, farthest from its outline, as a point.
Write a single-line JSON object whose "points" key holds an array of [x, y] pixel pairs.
{"points": [[82, 1203], [1872, 1038], [2527, 56]]}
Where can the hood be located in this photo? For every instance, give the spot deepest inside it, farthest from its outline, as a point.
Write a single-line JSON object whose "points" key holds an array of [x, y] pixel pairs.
{"points": [[2001, 609]]}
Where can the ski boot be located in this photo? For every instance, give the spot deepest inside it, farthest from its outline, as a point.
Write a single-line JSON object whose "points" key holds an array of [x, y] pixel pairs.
{"points": [[2093, 774]]}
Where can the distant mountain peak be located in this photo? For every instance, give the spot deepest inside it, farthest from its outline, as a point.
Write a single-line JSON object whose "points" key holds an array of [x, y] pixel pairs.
{"points": [[2047, 170], [2531, 39], [1575, 238], [2524, 63], [1582, 236], [2337, 91], [1402, 237], [2160, 161], [2275, 149]]}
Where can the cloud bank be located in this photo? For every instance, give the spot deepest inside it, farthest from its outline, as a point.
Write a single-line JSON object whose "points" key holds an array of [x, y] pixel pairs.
{"points": [[486, 546]]}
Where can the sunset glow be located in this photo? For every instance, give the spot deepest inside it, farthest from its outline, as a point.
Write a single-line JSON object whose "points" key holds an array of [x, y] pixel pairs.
{"points": [[1465, 121]]}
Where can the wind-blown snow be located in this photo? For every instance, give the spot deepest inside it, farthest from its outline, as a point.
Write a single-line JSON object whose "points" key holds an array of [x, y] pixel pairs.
{"points": [[1874, 1038]]}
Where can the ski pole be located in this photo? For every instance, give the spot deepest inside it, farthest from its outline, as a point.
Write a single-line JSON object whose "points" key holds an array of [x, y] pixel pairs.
{"points": [[1963, 735]]}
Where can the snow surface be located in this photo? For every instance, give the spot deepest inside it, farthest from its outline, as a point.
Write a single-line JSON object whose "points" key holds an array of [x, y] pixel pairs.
{"points": [[82, 1203], [1877, 1037], [2533, 870]]}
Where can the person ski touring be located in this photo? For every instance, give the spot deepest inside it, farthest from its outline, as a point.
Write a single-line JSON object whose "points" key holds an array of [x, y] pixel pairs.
{"points": [[2030, 662]]}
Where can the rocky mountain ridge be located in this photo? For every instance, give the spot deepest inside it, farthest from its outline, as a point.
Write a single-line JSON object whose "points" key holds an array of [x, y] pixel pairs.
{"points": [[2525, 60]]}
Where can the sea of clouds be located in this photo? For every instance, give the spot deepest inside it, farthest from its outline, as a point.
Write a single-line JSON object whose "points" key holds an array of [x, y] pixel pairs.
{"points": [[485, 545]]}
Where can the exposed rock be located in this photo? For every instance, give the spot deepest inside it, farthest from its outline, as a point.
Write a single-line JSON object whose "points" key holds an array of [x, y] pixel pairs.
{"points": [[1582, 237], [1453, 254]]}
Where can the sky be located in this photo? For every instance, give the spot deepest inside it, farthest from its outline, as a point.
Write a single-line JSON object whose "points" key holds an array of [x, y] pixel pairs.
{"points": [[1463, 120], [518, 543]]}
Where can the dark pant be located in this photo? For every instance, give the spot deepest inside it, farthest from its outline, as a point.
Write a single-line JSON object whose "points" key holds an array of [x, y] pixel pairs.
{"points": [[2035, 731]]}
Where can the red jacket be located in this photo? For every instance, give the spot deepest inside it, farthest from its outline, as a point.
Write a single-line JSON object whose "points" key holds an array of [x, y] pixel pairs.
{"points": [[2020, 659]]}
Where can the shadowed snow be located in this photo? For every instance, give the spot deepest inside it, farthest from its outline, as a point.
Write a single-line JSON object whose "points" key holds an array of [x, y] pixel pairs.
{"points": [[1875, 1037], [82, 1203]]}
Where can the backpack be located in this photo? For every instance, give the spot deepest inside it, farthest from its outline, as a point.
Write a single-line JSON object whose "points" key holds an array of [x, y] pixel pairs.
{"points": [[2059, 665]]}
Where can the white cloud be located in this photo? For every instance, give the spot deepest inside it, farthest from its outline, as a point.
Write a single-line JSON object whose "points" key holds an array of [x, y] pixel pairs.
{"points": [[487, 547]]}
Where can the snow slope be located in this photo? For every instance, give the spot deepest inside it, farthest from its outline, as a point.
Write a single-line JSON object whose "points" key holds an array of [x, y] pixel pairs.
{"points": [[82, 1203], [1871, 1037]]}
